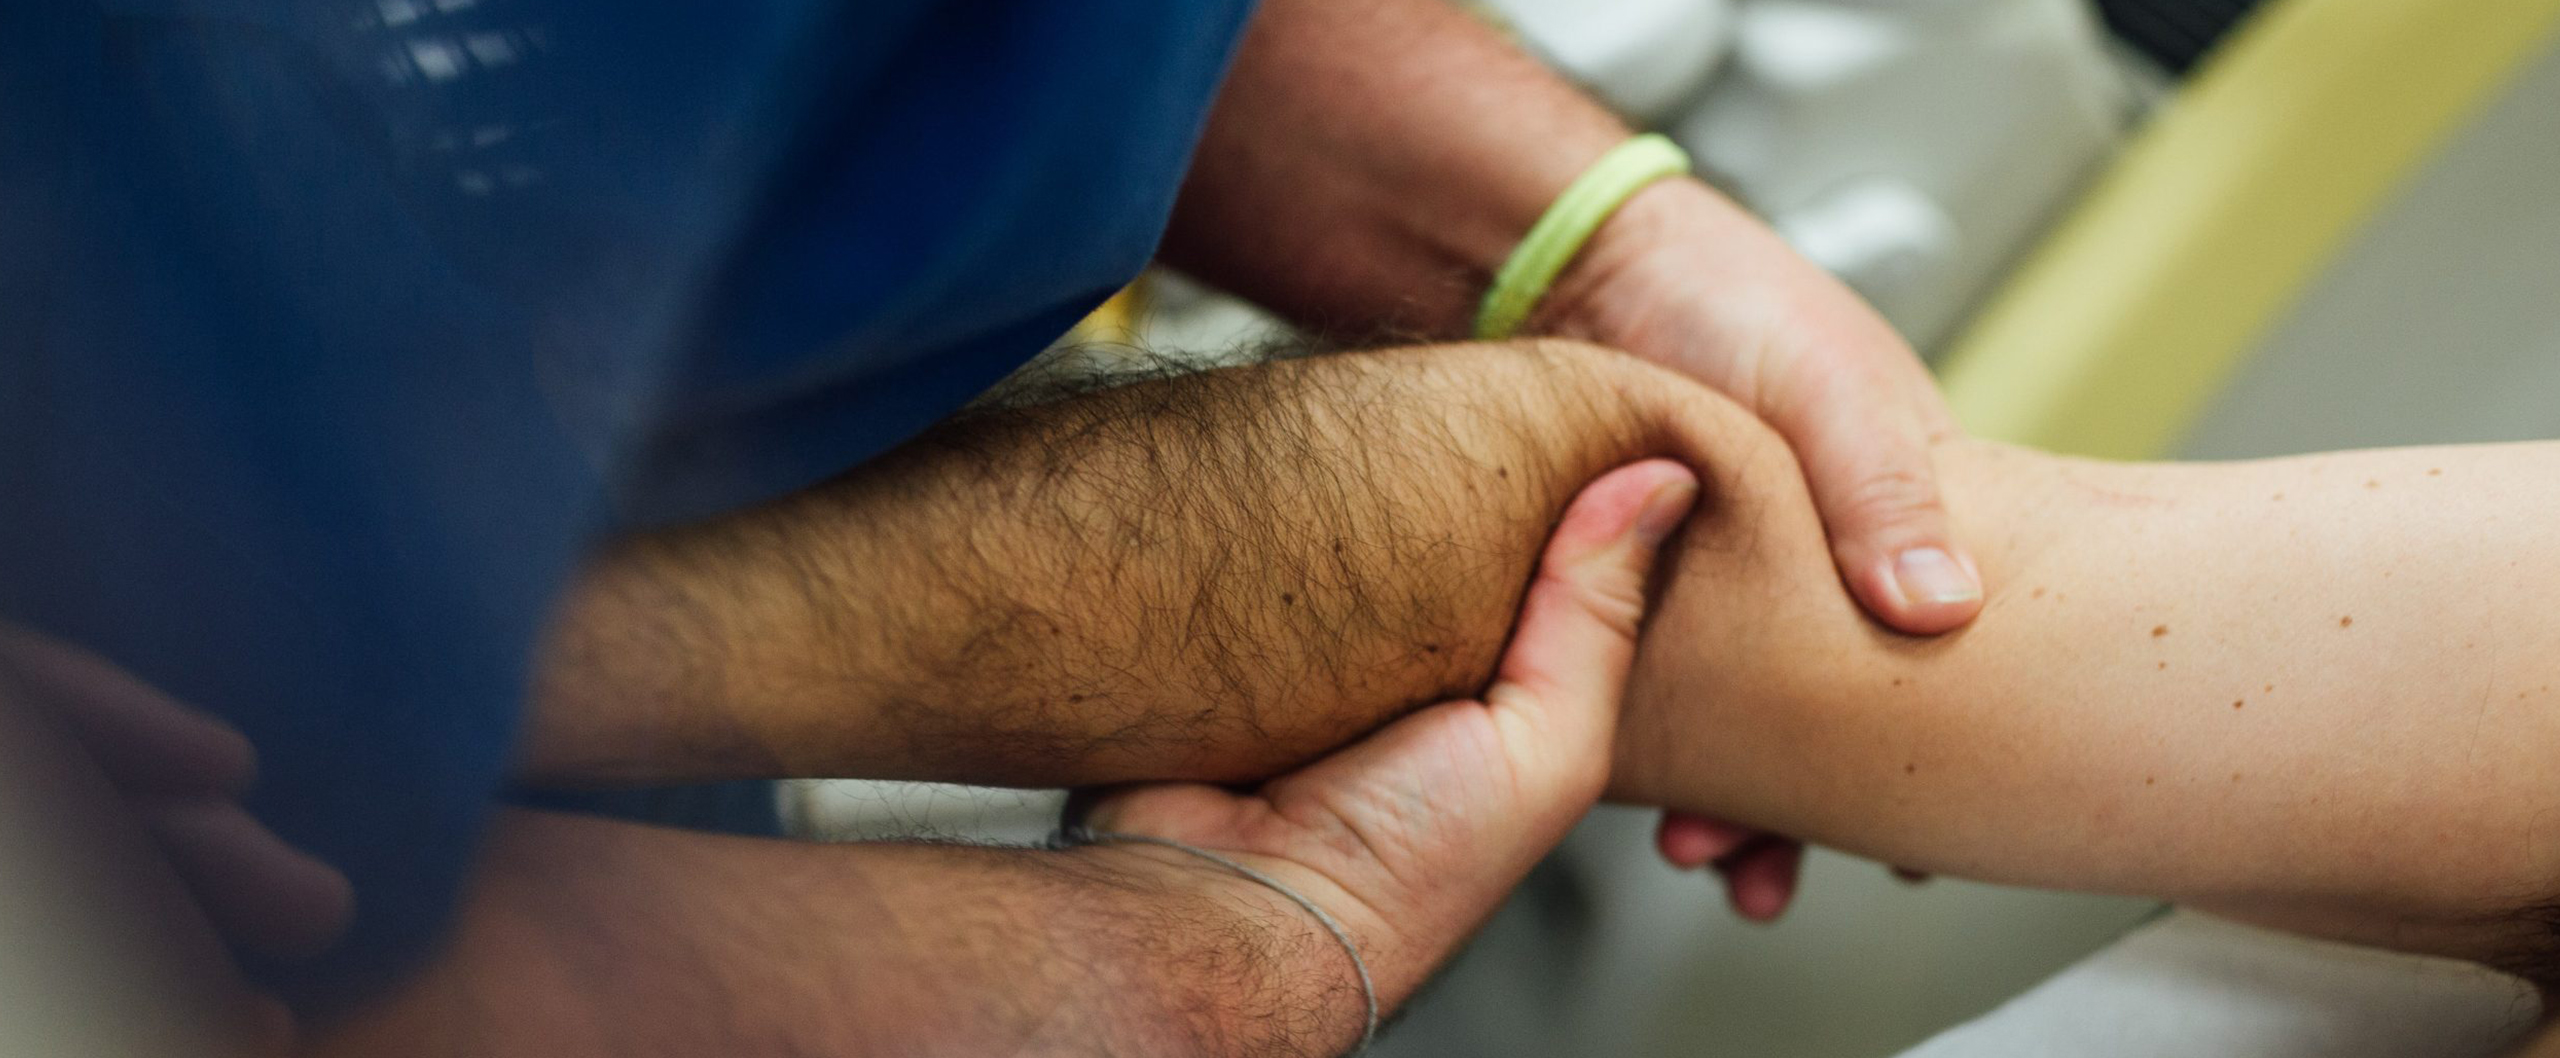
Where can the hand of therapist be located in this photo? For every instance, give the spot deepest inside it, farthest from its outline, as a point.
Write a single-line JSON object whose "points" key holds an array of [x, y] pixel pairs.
{"points": [[1412, 836], [1683, 278]]}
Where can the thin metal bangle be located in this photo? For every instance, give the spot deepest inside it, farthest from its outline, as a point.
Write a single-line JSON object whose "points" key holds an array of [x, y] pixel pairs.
{"points": [[1072, 836]]}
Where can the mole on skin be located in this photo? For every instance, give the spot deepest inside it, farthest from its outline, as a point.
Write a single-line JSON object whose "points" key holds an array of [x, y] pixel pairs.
{"points": [[2159, 630], [2238, 702], [2345, 621]]}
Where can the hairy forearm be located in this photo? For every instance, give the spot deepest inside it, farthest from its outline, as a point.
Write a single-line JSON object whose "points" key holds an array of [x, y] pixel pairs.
{"points": [[588, 937], [2318, 692], [1213, 576]]}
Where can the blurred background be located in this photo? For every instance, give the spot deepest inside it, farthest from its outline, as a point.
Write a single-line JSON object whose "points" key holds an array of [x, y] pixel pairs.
{"points": [[2127, 228]]}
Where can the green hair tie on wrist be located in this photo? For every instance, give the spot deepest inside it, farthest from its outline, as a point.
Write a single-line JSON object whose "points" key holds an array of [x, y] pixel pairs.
{"points": [[1559, 234]]}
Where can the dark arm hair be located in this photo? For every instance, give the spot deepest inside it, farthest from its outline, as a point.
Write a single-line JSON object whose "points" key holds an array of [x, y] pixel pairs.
{"points": [[1212, 576], [588, 937]]}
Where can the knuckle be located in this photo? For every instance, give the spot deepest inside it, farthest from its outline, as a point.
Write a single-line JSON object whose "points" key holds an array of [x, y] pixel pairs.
{"points": [[1895, 494], [1613, 598]]}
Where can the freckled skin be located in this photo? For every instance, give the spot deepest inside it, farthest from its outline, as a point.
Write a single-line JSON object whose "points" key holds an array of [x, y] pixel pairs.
{"points": [[2416, 801]]}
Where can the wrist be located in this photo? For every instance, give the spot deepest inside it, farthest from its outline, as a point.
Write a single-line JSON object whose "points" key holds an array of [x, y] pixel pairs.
{"points": [[1678, 268], [1247, 968]]}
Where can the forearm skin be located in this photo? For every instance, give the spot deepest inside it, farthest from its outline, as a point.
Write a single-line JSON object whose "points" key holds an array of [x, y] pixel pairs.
{"points": [[585, 937], [2316, 692], [1370, 163], [1210, 577]]}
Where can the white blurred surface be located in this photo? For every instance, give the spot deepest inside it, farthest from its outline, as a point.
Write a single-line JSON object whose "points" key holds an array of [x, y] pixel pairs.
{"points": [[1983, 118], [2192, 985], [1646, 58], [871, 810]]}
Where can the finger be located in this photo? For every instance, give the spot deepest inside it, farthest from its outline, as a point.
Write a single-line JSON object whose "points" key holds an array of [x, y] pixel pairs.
{"points": [[1555, 694], [1181, 811], [1864, 441], [1689, 841], [260, 893], [1760, 880], [146, 742]]}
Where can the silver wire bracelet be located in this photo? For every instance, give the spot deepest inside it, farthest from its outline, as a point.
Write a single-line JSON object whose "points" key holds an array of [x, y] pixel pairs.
{"points": [[1073, 836]]}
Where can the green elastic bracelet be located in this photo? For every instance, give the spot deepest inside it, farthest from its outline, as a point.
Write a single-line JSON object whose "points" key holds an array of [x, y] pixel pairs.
{"points": [[1552, 242]]}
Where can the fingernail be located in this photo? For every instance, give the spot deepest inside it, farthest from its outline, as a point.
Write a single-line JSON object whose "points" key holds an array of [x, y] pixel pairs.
{"points": [[1929, 575], [1663, 512]]}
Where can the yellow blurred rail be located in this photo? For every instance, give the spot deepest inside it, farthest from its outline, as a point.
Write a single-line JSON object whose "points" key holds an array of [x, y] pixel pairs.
{"points": [[2125, 323]]}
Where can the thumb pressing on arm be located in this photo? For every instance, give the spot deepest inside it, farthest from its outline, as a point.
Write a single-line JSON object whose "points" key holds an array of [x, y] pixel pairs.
{"points": [[1411, 836]]}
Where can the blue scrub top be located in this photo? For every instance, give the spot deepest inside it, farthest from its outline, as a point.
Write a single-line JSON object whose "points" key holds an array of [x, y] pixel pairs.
{"points": [[334, 329]]}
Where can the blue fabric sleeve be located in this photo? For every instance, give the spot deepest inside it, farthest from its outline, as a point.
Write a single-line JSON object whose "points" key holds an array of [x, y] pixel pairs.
{"points": [[337, 328]]}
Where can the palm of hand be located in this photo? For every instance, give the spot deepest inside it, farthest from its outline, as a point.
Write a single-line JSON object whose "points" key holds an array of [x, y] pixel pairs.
{"points": [[1411, 836]]}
